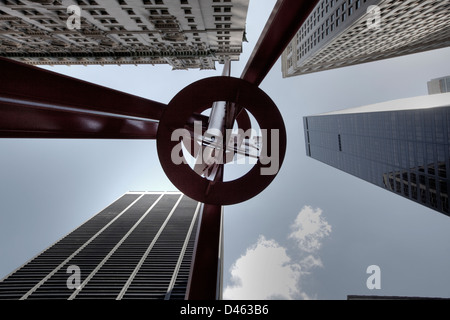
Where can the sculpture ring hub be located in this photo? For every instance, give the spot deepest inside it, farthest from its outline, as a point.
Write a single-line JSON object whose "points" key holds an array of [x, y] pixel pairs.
{"points": [[195, 99]]}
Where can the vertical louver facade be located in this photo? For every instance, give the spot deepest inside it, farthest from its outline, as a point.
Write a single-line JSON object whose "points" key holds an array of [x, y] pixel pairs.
{"points": [[139, 247]]}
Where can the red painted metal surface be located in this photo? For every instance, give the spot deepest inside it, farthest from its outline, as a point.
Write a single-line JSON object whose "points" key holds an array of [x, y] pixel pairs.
{"points": [[192, 99], [36, 103], [284, 22], [203, 279], [17, 120]]}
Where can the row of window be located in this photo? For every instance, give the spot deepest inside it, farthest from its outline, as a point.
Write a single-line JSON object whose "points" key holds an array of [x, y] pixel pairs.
{"points": [[112, 23], [411, 22], [307, 38], [421, 188], [424, 125], [94, 3], [414, 183]]}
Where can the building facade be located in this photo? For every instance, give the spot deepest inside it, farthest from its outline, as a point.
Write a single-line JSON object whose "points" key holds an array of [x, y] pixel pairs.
{"points": [[439, 85], [341, 33], [182, 33], [139, 247], [401, 146]]}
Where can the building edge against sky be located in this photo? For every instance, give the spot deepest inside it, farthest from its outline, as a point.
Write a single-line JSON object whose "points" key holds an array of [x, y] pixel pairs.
{"points": [[341, 33], [186, 34], [401, 146], [439, 85], [139, 247]]}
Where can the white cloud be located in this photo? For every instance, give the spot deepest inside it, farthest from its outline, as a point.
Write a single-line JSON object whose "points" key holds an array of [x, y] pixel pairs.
{"points": [[309, 229], [266, 271]]}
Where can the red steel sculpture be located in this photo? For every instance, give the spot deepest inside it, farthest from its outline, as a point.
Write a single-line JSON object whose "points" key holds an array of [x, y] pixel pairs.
{"points": [[36, 103]]}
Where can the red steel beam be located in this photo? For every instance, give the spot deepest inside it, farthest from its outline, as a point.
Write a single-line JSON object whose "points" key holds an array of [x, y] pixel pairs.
{"points": [[206, 268], [36, 103], [204, 278], [19, 120], [284, 22]]}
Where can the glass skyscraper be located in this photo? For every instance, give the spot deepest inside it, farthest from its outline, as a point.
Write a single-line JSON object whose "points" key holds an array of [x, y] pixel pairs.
{"points": [[401, 146], [139, 247]]}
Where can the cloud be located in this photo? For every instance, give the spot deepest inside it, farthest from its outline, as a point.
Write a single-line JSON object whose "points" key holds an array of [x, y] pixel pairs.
{"points": [[267, 271], [309, 229]]}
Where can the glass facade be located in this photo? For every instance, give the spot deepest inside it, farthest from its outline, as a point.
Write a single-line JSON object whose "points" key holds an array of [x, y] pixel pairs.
{"points": [[404, 151], [139, 247]]}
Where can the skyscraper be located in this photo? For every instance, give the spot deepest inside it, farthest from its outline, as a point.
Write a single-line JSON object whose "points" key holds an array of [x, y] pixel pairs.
{"points": [[139, 247], [341, 33], [183, 33], [401, 146], [439, 85]]}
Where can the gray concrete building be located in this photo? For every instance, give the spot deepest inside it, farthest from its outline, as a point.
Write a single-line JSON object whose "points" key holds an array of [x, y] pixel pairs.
{"points": [[185, 34], [439, 85], [341, 33]]}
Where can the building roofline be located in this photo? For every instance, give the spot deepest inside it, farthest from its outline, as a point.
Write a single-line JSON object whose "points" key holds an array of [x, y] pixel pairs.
{"points": [[413, 103]]}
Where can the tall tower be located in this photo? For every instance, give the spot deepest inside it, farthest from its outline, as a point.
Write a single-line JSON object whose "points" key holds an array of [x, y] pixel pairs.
{"points": [[401, 146], [341, 33], [139, 247]]}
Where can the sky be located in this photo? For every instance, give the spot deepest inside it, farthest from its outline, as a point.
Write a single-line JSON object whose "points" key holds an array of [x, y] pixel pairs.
{"points": [[312, 234]]}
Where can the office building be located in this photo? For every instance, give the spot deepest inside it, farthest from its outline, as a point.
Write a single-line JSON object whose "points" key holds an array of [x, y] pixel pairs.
{"points": [[341, 33], [439, 85], [182, 33], [401, 146], [139, 247]]}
